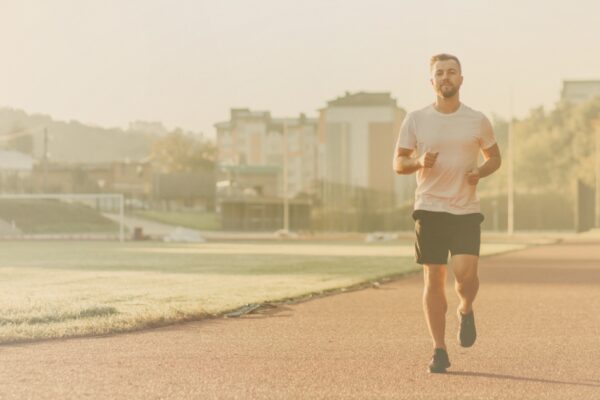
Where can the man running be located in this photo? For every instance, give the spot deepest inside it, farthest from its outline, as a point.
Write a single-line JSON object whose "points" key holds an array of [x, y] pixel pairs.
{"points": [[441, 143]]}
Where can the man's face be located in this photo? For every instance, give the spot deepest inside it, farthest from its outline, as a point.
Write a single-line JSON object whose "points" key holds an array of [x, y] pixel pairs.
{"points": [[446, 78]]}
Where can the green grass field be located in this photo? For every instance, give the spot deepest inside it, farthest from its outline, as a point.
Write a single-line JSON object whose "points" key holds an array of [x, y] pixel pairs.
{"points": [[50, 216], [61, 289]]}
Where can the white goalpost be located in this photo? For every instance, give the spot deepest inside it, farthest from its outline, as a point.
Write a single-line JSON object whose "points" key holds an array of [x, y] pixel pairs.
{"points": [[80, 198]]}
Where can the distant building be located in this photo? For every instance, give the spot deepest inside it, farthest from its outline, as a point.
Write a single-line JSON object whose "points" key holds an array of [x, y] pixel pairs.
{"points": [[132, 178], [357, 134], [253, 148], [11, 160], [256, 139], [249, 180], [263, 214], [188, 190], [154, 128], [578, 91], [15, 169], [137, 180]]}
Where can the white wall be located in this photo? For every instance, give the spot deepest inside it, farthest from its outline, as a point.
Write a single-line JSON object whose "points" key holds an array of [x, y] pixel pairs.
{"points": [[358, 120], [244, 132]]}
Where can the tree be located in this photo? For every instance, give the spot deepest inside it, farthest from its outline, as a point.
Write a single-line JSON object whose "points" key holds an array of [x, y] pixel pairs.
{"points": [[183, 152], [554, 148]]}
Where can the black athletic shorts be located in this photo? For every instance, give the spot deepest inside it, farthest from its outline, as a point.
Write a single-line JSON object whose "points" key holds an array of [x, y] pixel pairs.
{"points": [[439, 233]]}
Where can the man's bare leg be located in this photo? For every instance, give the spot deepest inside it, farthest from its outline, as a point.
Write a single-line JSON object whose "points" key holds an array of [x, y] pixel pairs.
{"points": [[466, 285], [464, 267], [434, 302]]}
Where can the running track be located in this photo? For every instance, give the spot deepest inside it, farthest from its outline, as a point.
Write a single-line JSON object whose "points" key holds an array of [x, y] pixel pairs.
{"points": [[538, 319]]}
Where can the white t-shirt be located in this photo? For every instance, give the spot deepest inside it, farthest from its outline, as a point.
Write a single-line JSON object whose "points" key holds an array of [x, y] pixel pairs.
{"points": [[458, 137]]}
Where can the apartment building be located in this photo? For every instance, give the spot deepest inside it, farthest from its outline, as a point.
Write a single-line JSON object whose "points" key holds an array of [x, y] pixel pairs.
{"points": [[357, 135], [253, 139]]}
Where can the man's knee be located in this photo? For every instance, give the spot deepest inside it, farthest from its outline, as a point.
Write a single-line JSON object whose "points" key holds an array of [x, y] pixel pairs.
{"points": [[466, 278], [435, 276], [465, 268]]}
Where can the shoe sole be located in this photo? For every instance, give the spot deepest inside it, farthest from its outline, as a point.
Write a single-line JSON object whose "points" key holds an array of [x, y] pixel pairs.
{"points": [[437, 371], [441, 370]]}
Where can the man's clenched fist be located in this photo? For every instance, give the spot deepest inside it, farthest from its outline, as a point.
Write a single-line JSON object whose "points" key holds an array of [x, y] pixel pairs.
{"points": [[427, 159], [473, 176]]}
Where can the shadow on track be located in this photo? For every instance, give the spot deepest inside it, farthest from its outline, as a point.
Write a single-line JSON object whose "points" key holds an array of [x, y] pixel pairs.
{"points": [[519, 378]]}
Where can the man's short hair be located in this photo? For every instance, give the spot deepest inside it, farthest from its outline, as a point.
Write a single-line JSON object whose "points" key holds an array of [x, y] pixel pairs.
{"points": [[443, 57]]}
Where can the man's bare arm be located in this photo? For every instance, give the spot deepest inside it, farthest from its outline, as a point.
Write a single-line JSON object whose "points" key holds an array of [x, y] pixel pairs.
{"points": [[405, 163], [492, 162]]}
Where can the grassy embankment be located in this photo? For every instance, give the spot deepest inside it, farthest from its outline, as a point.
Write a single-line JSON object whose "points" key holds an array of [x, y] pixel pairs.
{"points": [[49, 216], [61, 289]]}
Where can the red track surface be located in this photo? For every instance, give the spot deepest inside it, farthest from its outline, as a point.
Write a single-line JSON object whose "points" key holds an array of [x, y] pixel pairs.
{"points": [[538, 319]]}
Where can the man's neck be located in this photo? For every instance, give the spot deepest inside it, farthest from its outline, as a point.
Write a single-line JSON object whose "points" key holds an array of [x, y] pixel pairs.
{"points": [[447, 106]]}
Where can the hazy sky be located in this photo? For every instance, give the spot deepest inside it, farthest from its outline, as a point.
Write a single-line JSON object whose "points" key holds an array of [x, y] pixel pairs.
{"points": [[186, 63]]}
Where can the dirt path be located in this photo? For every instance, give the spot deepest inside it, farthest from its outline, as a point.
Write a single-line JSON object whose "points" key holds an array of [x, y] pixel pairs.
{"points": [[539, 338]]}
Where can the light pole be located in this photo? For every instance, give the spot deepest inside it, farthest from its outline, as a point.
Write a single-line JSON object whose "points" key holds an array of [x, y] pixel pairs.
{"points": [[596, 128], [510, 171], [286, 205], [511, 181], [45, 160]]}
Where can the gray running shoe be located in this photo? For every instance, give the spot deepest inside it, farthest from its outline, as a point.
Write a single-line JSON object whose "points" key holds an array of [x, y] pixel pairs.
{"points": [[467, 332], [439, 362]]}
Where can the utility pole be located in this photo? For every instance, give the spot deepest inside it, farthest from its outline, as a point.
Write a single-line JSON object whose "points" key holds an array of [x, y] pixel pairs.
{"points": [[45, 161], [286, 205], [511, 179], [596, 128], [511, 183]]}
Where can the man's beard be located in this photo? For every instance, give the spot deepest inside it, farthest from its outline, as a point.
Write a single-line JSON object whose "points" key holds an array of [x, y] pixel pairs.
{"points": [[448, 93]]}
